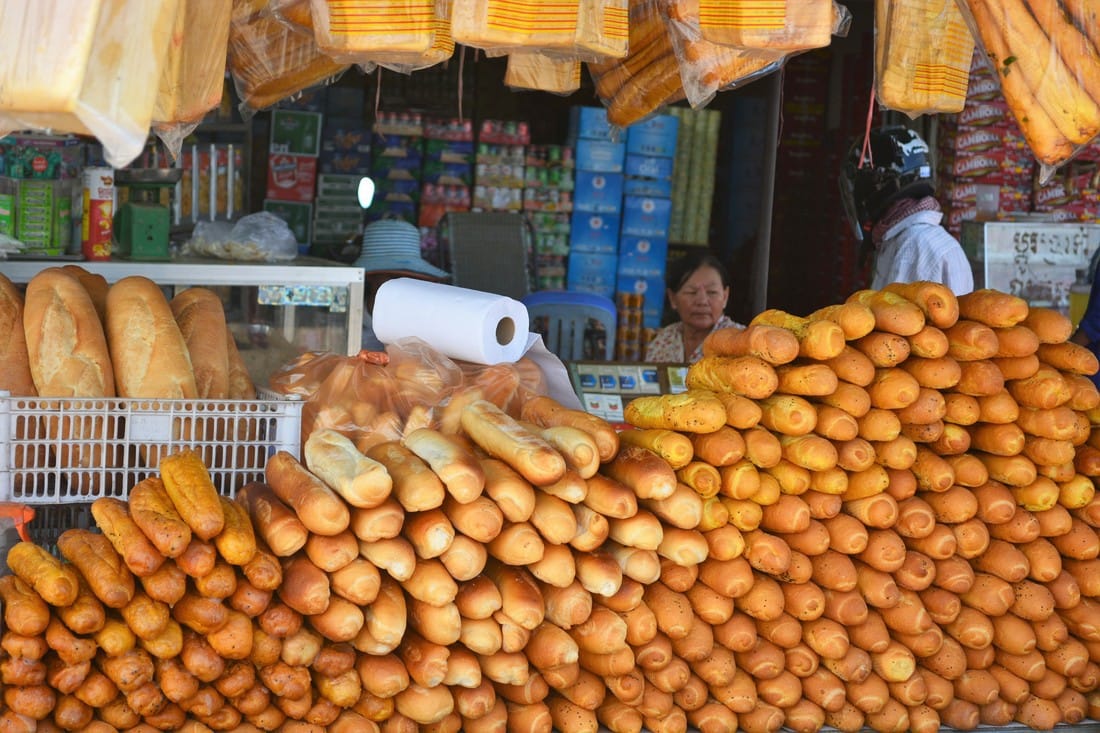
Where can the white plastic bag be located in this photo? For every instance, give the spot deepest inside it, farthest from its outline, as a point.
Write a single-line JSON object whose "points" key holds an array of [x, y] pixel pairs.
{"points": [[260, 237]]}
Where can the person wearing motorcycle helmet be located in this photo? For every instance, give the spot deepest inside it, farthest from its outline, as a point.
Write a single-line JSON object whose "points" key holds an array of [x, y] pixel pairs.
{"points": [[887, 185]]}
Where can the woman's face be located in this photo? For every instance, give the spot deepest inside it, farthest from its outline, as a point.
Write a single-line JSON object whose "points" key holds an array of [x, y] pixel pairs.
{"points": [[701, 299]]}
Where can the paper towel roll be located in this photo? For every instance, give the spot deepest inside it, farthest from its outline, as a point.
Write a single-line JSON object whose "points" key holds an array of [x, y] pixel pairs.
{"points": [[461, 323]]}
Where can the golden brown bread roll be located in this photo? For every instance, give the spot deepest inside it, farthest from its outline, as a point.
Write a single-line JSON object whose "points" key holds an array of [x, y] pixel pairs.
{"points": [[101, 567], [361, 481], [137, 551], [15, 369], [318, 507], [188, 484], [415, 486], [503, 437], [547, 412], [277, 524], [200, 318], [58, 584], [154, 513]]}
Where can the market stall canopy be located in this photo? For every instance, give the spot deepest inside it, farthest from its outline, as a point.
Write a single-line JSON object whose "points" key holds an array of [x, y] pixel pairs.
{"points": [[117, 68]]}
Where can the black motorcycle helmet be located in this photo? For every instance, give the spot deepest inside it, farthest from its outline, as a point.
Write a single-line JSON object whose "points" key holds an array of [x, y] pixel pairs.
{"points": [[897, 164]]}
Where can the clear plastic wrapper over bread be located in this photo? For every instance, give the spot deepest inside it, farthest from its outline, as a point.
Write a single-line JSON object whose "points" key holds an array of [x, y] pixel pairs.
{"points": [[648, 77], [923, 51], [539, 72], [1046, 55], [92, 68], [269, 61], [776, 25], [401, 35], [374, 396]]}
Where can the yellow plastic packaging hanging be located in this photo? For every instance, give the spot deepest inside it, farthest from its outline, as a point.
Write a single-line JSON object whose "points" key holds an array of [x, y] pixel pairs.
{"points": [[777, 25], [403, 35], [92, 68], [589, 30], [922, 56], [537, 71]]}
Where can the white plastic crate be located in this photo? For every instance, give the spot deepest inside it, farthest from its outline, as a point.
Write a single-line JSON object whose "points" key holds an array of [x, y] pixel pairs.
{"points": [[55, 451]]}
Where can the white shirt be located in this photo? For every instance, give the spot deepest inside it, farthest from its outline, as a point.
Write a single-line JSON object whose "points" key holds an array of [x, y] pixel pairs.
{"points": [[919, 248]]}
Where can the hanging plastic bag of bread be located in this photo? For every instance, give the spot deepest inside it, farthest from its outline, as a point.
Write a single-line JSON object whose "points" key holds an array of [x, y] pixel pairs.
{"points": [[707, 68], [590, 30], [648, 77], [536, 71], [194, 71], [400, 35], [1046, 55], [91, 68], [294, 14], [270, 62], [775, 25], [923, 51]]}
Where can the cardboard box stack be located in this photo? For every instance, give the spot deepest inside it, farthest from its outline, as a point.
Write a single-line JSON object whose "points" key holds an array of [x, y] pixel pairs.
{"points": [[293, 152], [499, 165], [984, 166], [647, 216], [396, 160], [548, 204], [597, 203]]}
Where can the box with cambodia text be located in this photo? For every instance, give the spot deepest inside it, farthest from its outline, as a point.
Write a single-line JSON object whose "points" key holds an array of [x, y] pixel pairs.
{"points": [[653, 136], [590, 123], [656, 187], [648, 166], [600, 155], [645, 216], [643, 255], [590, 232], [598, 192], [591, 273]]}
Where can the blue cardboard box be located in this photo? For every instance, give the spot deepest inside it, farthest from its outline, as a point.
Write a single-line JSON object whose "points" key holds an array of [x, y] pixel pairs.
{"points": [[590, 232], [589, 122], [645, 216], [591, 273], [598, 192], [654, 136], [603, 156], [344, 162], [648, 166], [652, 290], [655, 187], [342, 134], [645, 256]]}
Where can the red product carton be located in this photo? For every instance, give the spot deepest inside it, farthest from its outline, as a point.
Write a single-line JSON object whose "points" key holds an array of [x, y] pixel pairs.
{"points": [[291, 177]]}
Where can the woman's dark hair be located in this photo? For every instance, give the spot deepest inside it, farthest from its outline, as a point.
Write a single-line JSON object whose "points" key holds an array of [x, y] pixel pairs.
{"points": [[683, 268]]}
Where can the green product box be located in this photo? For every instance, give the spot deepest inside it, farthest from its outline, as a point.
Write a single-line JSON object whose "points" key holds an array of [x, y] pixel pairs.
{"points": [[297, 133], [298, 216]]}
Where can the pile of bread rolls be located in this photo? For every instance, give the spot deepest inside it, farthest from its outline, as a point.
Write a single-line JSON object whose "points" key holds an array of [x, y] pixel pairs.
{"points": [[70, 334], [880, 515], [909, 481]]}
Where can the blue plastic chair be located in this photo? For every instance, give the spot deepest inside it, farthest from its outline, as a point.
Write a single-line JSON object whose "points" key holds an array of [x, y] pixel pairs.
{"points": [[567, 314]]}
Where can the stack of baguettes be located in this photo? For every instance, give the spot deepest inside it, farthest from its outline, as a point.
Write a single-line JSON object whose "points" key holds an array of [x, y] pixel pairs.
{"points": [[71, 335]]}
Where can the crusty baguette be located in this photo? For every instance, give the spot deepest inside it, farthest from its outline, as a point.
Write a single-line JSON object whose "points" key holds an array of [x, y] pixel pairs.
{"points": [[148, 352], [456, 466], [548, 412], [15, 367], [101, 567], [200, 317], [192, 492], [361, 481], [502, 437], [153, 511], [319, 508], [57, 583], [276, 523], [113, 518]]}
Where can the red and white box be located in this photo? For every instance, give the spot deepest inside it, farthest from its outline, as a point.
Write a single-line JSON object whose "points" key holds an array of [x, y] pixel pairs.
{"points": [[291, 177]]}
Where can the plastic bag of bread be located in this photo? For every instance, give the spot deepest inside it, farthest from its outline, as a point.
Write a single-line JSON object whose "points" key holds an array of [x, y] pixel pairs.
{"points": [[923, 51], [536, 70], [402, 35], [294, 14], [590, 30], [1045, 55], [270, 62], [194, 71], [91, 68], [648, 77], [706, 67], [777, 25]]}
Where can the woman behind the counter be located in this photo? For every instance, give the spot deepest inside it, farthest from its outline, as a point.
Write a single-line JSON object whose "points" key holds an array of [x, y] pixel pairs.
{"points": [[698, 290]]}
